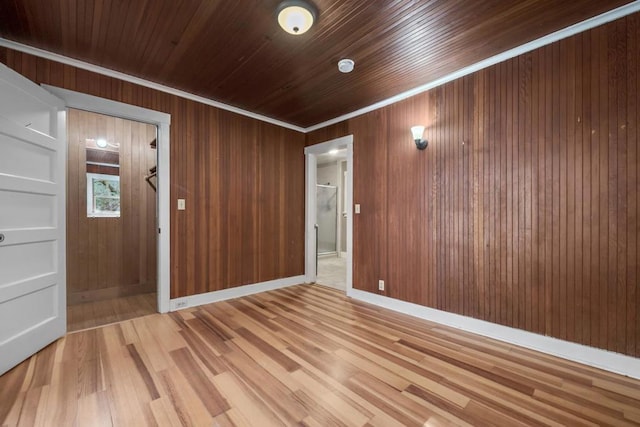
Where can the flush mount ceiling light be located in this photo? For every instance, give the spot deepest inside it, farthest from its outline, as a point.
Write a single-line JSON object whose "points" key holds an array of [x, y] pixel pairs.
{"points": [[296, 16], [346, 65], [100, 143]]}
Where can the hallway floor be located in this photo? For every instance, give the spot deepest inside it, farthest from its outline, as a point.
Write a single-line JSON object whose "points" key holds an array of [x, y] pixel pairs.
{"points": [[99, 313], [332, 272]]}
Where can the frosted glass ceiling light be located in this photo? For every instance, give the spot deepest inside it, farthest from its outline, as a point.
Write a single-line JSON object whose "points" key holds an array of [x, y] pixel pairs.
{"points": [[296, 16]]}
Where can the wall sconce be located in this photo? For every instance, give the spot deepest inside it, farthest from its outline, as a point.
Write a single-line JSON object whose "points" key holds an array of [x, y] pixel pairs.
{"points": [[417, 132], [296, 16]]}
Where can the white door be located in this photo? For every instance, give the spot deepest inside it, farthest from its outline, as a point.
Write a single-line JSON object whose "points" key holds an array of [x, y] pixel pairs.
{"points": [[32, 218]]}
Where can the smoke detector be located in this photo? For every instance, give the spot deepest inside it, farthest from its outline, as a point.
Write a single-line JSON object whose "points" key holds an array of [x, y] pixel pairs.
{"points": [[346, 65]]}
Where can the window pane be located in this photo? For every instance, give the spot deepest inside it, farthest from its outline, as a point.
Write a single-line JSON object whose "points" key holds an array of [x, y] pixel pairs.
{"points": [[106, 187], [103, 195], [104, 204]]}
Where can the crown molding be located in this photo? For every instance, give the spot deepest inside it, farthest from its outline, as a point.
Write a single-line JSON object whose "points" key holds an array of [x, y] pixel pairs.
{"points": [[588, 24], [141, 82]]}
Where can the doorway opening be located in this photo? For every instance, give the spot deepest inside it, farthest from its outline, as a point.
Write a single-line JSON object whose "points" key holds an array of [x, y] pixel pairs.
{"points": [[162, 122], [111, 219], [329, 221], [331, 218]]}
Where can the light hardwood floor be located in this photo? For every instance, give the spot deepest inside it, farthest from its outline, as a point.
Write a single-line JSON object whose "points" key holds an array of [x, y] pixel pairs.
{"points": [[99, 313], [306, 355]]}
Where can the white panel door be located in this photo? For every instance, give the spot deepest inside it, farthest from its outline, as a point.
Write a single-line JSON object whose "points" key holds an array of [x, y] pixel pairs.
{"points": [[32, 218]]}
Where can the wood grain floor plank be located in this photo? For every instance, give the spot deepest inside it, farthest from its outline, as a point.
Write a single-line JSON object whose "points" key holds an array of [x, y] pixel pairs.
{"points": [[273, 392], [184, 399], [92, 410], [632, 415], [164, 413], [29, 409], [396, 405], [121, 390], [386, 376], [42, 417], [502, 399], [307, 356], [270, 351], [269, 365], [320, 415], [412, 372], [105, 312], [324, 402], [210, 396], [207, 355], [586, 412], [300, 331], [207, 332], [223, 420], [332, 385], [11, 386], [155, 342], [62, 402], [144, 373], [343, 389], [594, 396], [245, 401]]}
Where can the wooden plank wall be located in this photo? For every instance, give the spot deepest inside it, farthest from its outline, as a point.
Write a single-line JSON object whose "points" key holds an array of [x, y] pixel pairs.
{"points": [[243, 181], [523, 210], [108, 257]]}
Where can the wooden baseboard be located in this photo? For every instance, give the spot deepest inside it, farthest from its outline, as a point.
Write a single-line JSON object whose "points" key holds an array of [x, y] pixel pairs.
{"points": [[80, 297], [239, 291]]}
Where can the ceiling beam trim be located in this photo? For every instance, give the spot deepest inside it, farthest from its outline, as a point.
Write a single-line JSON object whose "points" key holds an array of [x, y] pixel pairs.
{"points": [[141, 82]]}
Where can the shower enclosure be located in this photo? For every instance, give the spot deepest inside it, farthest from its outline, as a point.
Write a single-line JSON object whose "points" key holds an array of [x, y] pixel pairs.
{"points": [[326, 218]]}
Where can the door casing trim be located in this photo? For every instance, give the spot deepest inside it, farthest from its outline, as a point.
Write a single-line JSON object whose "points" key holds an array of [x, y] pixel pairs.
{"points": [[162, 120], [311, 163]]}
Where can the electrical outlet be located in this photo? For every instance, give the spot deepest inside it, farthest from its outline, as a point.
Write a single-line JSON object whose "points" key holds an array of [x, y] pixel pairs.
{"points": [[181, 304], [181, 204], [381, 285], [357, 208]]}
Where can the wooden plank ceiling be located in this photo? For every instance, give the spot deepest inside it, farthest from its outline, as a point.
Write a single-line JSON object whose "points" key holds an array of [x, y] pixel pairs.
{"points": [[234, 52]]}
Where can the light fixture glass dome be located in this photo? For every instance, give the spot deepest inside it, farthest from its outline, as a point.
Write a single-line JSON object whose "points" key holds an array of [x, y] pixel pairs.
{"points": [[296, 17], [346, 65]]}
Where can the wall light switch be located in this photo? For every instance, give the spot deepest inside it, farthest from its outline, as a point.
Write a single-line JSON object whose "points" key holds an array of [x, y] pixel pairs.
{"points": [[181, 204], [357, 208]]}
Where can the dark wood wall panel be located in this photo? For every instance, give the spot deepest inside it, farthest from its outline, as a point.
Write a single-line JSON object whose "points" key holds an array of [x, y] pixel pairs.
{"points": [[523, 210], [243, 181]]}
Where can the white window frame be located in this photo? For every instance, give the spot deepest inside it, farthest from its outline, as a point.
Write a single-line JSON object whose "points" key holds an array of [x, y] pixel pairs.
{"points": [[90, 206]]}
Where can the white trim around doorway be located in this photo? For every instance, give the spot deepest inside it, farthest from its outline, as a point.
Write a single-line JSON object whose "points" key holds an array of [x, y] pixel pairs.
{"points": [[162, 121], [311, 164]]}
